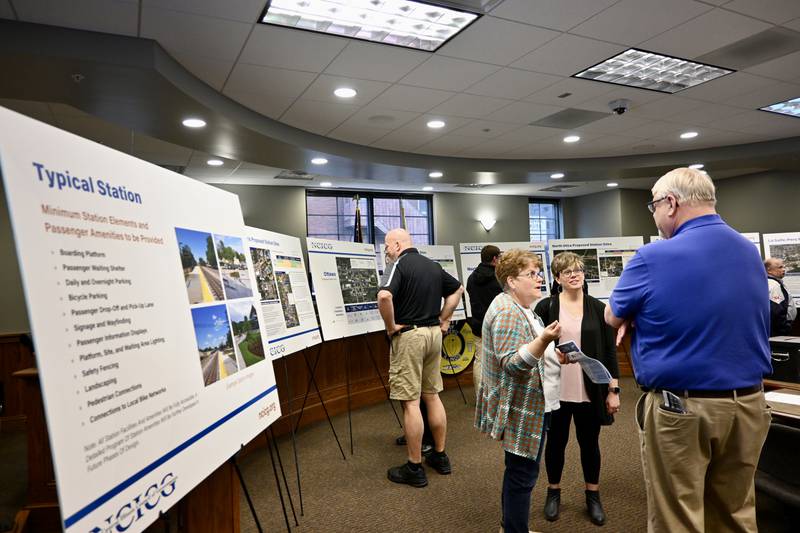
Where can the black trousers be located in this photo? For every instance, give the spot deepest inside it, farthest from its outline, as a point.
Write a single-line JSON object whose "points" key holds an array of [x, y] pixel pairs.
{"points": [[587, 429]]}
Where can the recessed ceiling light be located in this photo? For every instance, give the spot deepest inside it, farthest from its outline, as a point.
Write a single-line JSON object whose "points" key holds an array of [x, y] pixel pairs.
{"points": [[689, 134], [215, 162], [571, 139], [397, 22], [194, 123], [436, 124], [435, 174], [345, 92], [789, 107], [325, 184], [427, 188], [319, 161], [612, 184], [557, 175], [697, 166], [646, 70]]}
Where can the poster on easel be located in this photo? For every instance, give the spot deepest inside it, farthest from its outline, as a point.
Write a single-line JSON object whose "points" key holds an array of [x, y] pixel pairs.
{"points": [[470, 254], [445, 256], [136, 285], [604, 259], [345, 278], [282, 291], [786, 246], [753, 237]]}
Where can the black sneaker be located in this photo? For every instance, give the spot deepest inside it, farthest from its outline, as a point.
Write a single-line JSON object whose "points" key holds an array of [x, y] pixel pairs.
{"points": [[427, 449], [404, 474], [439, 462], [401, 440]]}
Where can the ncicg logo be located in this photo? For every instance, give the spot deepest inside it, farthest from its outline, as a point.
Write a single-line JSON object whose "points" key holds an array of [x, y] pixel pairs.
{"points": [[322, 245], [136, 508]]}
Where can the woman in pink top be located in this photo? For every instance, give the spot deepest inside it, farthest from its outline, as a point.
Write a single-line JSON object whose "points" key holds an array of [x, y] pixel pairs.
{"points": [[588, 404]]}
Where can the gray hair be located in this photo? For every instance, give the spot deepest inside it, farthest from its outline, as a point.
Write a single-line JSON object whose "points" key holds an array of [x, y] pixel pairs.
{"points": [[689, 186]]}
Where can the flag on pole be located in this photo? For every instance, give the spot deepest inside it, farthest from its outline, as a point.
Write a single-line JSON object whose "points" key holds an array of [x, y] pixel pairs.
{"points": [[358, 234], [402, 215]]}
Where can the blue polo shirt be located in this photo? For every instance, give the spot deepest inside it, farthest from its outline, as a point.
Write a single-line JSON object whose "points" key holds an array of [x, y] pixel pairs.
{"points": [[698, 301]]}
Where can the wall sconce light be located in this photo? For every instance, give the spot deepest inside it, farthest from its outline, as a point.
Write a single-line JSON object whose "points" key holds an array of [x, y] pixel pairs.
{"points": [[487, 222]]}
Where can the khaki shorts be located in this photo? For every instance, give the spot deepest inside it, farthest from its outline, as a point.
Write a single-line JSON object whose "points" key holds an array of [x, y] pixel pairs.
{"points": [[414, 363]]}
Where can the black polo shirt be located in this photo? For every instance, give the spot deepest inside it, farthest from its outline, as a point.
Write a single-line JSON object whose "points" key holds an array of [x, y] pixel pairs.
{"points": [[418, 285]]}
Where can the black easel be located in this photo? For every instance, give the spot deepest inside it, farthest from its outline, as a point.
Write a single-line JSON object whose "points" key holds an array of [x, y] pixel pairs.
{"points": [[278, 482], [247, 492], [283, 473], [291, 427]]}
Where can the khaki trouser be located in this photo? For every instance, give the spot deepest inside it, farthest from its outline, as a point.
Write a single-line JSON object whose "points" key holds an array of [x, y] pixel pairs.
{"points": [[699, 466], [476, 365], [414, 363]]}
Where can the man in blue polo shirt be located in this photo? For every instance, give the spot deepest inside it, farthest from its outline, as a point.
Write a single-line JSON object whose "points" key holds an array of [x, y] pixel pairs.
{"points": [[700, 331]]}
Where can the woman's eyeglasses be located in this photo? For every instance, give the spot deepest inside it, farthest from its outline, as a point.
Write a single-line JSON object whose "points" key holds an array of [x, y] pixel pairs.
{"points": [[531, 275], [570, 272]]}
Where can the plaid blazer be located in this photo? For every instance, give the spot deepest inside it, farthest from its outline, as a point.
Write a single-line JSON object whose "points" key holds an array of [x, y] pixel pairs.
{"points": [[511, 397]]}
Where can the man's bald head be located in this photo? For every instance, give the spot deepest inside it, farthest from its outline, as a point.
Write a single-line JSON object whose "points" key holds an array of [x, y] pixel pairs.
{"points": [[396, 241], [775, 267]]}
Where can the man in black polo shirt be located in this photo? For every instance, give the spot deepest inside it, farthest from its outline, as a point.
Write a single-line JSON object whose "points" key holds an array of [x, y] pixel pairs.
{"points": [[410, 303]]}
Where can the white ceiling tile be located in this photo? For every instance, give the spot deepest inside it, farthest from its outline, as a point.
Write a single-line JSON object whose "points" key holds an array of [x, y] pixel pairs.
{"points": [[317, 117], [776, 11], [636, 97], [371, 61], [448, 74], [558, 14], [665, 107], [660, 129], [5, 10], [760, 123], [580, 91], [727, 87], [358, 134], [567, 55], [485, 129], [615, 124], [509, 41], [409, 98], [512, 83], [213, 72], [523, 113], [606, 142], [241, 10], [447, 145], [95, 15], [786, 68], [552, 147], [323, 87], [419, 124], [194, 34], [272, 46], [377, 117], [777, 92], [272, 107], [705, 33], [633, 21], [706, 114], [467, 105], [268, 81], [528, 134], [489, 149], [404, 140]]}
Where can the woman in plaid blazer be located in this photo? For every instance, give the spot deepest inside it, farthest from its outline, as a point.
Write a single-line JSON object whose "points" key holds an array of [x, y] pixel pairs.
{"points": [[519, 351]]}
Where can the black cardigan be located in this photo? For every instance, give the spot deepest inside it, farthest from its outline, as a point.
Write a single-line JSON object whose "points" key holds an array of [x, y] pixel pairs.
{"points": [[597, 340]]}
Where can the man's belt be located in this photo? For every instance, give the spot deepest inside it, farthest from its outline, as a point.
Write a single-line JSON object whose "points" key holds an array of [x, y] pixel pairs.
{"points": [[744, 391], [409, 328]]}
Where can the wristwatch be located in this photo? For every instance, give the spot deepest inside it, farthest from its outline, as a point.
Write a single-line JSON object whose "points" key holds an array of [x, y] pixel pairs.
{"points": [[615, 390]]}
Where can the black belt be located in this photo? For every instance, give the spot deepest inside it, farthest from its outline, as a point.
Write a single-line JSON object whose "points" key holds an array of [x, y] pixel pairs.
{"points": [[744, 391], [409, 328]]}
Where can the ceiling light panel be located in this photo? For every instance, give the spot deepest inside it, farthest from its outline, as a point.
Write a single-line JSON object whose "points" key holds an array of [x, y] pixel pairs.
{"points": [[656, 72], [406, 23], [789, 107]]}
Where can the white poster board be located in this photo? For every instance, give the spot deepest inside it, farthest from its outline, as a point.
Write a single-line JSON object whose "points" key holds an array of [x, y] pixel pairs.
{"points": [[755, 238], [285, 304], [345, 277], [445, 255], [603, 259], [136, 285], [786, 246], [471, 257]]}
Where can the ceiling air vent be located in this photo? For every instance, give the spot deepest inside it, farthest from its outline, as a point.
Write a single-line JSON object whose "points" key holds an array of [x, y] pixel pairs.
{"points": [[569, 119], [295, 175], [557, 188]]}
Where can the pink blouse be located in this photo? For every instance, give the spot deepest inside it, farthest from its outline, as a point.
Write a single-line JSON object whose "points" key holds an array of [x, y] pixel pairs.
{"points": [[572, 388]]}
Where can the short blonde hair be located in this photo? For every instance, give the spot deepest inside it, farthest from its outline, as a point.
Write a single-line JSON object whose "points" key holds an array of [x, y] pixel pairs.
{"points": [[563, 261], [512, 262], [689, 186]]}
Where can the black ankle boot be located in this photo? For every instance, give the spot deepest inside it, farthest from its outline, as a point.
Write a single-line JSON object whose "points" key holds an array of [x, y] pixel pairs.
{"points": [[595, 508], [551, 504]]}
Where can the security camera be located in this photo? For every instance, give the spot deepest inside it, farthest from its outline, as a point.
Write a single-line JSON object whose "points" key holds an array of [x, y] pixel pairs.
{"points": [[619, 106]]}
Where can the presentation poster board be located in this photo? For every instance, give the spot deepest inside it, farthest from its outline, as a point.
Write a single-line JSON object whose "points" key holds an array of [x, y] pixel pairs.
{"points": [[445, 255], [285, 304], [754, 237], [345, 277], [471, 257], [137, 288], [786, 246], [604, 258]]}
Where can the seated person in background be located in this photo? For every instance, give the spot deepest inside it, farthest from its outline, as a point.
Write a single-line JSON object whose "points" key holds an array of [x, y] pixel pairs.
{"points": [[514, 390], [589, 404], [782, 310]]}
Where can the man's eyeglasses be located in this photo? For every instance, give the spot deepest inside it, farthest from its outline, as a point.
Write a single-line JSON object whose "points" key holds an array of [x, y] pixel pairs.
{"points": [[531, 275], [651, 206], [568, 273]]}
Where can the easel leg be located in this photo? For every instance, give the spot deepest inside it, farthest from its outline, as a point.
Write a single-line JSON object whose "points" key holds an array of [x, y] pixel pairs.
{"points": [[308, 385], [349, 406], [277, 482], [246, 492], [283, 475], [322, 402], [378, 372], [294, 442]]}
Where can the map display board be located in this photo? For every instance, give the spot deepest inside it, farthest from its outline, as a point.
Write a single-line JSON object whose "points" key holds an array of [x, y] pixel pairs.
{"points": [[138, 289], [345, 277], [604, 258], [786, 246], [471, 257], [445, 255], [755, 238], [285, 304]]}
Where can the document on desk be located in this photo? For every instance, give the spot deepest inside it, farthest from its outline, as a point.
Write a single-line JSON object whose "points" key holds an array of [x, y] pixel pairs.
{"points": [[782, 397], [592, 367]]}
